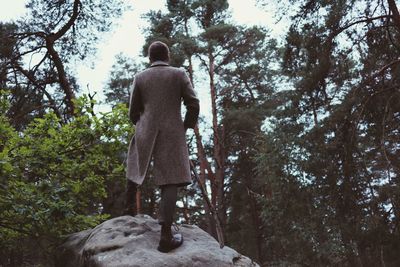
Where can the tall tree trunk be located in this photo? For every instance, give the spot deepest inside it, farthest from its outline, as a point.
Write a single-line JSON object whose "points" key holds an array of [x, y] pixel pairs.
{"points": [[204, 166], [211, 227], [256, 218], [201, 155], [218, 151]]}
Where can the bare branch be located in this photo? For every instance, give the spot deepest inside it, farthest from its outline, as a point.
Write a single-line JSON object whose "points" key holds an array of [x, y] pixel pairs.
{"points": [[24, 35], [70, 23]]}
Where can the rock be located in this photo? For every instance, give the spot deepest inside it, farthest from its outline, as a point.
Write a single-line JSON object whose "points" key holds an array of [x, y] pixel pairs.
{"points": [[132, 241]]}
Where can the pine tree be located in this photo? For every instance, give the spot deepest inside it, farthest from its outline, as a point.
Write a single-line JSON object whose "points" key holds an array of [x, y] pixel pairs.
{"points": [[119, 85], [329, 160]]}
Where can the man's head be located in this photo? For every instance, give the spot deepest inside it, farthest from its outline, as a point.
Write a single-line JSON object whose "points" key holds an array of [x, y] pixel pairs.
{"points": [[158, 51]]}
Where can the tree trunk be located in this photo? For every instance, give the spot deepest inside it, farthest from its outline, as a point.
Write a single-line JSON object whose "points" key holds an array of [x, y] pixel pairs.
{"points": [[218, 154], [395, 13], [204, 165]]}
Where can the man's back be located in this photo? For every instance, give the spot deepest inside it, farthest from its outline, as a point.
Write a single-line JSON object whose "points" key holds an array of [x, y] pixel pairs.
{"points": [[155, 108], [161, 94]]}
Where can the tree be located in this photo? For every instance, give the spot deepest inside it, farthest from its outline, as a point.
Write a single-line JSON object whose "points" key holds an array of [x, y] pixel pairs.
{"points": [[56, 179], [247, 90], [121, 77], [329, 161], [51, 38], [22, 107]]}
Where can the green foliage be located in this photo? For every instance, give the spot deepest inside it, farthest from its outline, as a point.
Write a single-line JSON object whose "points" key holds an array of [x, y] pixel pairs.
{"points": [[330, 153], [121, 79], [56, 178]]}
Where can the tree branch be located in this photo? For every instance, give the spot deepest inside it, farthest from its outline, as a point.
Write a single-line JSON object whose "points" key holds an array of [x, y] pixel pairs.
{"points": [[30, 78], [62, 76], [345, 27], [395, 12], [70, 23], [384, 68], [24, 35]]}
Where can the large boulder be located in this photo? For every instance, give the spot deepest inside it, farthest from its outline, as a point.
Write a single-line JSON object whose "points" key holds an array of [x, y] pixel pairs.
{"points": [[132, 241]]}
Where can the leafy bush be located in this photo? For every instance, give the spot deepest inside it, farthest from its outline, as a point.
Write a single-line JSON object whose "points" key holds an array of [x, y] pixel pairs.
{"points": [[55, 178]]}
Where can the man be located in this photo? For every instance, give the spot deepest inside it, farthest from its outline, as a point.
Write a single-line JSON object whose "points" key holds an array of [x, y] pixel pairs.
{"points": [[155, 109]]}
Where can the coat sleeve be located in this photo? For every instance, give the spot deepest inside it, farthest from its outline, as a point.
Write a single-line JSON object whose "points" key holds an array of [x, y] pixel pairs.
{"points": [[191, 102], [135, 103]]}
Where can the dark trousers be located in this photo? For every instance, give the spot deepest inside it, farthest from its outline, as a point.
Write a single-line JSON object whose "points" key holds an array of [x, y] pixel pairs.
{"points": [[169, 194], [130, 197]]}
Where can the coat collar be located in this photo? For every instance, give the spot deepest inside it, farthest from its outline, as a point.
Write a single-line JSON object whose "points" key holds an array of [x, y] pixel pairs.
{"points": [[159, 63]]}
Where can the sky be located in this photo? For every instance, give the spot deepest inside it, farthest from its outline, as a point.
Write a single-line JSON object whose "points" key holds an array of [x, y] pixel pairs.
{"points": [[127, 37]]}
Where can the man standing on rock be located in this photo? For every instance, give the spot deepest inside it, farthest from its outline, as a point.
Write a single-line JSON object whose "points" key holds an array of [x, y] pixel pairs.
{"points": [[155, 109]]}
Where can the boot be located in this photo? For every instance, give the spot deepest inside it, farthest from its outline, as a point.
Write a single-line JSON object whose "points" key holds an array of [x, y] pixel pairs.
{"points": [[130, 198], [168, 241]]}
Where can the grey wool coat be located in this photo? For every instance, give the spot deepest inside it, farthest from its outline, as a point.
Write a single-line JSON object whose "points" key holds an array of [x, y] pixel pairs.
{"points": [[155, 109]]}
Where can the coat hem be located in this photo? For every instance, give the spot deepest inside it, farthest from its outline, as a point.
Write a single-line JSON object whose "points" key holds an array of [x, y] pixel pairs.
{"points": [[177, 184]]}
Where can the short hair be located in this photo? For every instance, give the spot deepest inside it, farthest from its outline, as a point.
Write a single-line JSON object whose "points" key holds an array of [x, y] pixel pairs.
{"points": [[158, 51]]}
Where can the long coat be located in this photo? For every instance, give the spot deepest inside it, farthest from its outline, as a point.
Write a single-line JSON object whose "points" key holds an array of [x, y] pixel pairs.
{"points": [[155, 109]]}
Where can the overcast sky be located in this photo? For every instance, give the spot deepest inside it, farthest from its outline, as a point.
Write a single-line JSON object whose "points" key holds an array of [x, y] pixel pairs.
{"points": [[127, 36]]}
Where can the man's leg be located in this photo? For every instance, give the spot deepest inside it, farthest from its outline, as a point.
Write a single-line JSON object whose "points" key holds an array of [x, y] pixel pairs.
{"points": [[130, 197], [168, 242], [169, 194]]}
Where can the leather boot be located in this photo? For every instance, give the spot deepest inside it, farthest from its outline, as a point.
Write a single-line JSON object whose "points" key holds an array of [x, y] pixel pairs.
{"points": [[130, 198], [168, 241]]}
